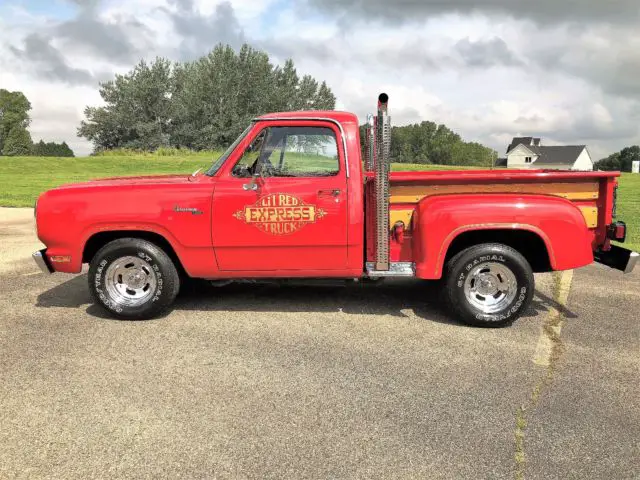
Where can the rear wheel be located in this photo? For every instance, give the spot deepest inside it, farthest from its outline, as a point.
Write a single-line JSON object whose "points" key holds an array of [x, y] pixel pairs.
{"points": [[133, 279], [489, 285]]}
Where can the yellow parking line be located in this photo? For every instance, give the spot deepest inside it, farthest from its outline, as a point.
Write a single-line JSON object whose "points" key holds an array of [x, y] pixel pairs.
{"points": [[550, 334]]}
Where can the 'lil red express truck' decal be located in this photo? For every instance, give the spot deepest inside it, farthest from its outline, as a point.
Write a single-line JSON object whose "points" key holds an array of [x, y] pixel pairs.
{"points": [[279, 214]]}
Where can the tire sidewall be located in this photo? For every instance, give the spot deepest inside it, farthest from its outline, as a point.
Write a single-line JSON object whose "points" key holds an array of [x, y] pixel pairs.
{"points": [[515, 263], [156, 259]]}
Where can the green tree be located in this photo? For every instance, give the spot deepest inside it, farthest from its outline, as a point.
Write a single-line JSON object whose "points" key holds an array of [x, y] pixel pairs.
{"points": [[38, 149], [218, 94], [428, 142], [619, 161], [138, 110], [611, 163], [51, 149], [64, 150], [202, 104], [17, 143], [627, 156], [14, 112]]}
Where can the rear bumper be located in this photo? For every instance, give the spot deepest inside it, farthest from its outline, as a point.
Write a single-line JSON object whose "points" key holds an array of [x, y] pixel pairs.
{"points": [[41, 260], [618, 258]]}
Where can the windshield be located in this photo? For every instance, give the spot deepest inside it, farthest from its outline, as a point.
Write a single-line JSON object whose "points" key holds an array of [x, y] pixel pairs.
{"points": [[218, 163]]}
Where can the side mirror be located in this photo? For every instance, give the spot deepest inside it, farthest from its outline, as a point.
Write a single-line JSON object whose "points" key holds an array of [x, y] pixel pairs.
{"points": [[240, 171]]}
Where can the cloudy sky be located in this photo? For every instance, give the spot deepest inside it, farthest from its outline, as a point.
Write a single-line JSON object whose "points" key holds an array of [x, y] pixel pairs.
{"points": [[566, 70]]}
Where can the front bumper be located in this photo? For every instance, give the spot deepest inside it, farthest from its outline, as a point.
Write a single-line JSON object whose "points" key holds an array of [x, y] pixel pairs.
{"points": [[618, 258], [41, 260]]}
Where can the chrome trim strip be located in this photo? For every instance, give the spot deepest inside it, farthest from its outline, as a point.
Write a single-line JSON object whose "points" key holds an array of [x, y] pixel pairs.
{"points": [[396, 269], [633, 260], [322, 119], [41, 261]]}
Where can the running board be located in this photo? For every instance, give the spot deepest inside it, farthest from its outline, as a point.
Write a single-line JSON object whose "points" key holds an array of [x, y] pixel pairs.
{"points": [[396, 269]]}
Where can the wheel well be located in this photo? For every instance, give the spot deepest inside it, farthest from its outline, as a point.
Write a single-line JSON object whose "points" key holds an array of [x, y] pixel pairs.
{"points": [[99, 240], [529, 244]]}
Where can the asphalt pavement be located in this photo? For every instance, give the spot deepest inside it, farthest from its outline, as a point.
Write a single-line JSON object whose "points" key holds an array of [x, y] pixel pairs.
{"points": [[315, 381]]}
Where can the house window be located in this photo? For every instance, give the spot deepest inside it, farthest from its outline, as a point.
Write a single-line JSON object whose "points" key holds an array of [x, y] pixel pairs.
{"points": [[527, 159]]}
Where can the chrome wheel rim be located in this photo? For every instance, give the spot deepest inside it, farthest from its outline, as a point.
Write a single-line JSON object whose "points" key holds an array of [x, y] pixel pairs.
{"points": [[130, 281], [490, 287]]}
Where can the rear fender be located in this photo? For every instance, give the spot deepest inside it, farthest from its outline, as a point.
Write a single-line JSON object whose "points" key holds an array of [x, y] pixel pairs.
{"points": [[438, 220]]}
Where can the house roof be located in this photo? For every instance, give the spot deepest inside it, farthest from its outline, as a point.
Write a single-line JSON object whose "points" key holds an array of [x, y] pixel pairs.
{"points": [[560, 155], [526, 141]]}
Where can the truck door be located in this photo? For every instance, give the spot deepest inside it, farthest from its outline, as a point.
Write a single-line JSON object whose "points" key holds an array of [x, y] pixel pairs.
{"points": [[283, 205]]}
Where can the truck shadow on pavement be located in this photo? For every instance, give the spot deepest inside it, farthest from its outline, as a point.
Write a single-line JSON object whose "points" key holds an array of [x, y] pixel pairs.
{"points": [[397, 298]]}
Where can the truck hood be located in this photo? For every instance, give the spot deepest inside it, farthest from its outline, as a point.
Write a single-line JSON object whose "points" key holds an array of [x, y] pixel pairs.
{"points": [[131, 181]]}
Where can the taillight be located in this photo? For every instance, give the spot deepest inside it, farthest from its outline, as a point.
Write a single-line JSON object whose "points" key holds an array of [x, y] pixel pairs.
{"points": [[617, 231]]}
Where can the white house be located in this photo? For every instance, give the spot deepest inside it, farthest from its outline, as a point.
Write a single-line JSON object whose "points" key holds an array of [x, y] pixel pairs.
{"points": [[526, 152]]}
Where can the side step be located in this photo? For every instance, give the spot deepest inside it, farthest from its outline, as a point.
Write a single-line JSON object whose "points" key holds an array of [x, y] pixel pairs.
{"points": [[396, 269]]}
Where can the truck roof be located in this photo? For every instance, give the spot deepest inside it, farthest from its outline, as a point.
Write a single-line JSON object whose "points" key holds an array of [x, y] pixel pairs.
{"points": [[342, 117]]}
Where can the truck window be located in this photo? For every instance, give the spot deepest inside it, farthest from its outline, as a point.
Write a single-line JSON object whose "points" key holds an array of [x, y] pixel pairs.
{"points": [[249, 159], [291, 152], [223, 158], [303, 151]]}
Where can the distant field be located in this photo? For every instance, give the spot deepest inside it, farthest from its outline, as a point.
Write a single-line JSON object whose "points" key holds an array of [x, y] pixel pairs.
{"points": [[22, 179]]}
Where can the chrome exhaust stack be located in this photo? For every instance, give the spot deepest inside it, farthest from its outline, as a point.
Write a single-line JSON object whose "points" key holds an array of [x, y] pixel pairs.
{"points": [[377, 147]]}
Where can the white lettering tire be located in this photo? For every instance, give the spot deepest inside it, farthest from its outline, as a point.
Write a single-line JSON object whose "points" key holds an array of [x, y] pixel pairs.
{"points": [[133, 279], [488, 285]]}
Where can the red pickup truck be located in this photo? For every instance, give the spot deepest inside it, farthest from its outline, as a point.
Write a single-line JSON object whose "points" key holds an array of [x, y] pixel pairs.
{"points": [[294, 197]]}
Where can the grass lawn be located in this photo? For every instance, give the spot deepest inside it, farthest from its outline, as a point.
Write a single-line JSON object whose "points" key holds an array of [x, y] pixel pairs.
{"points": [[629, 208], [22, 179]]}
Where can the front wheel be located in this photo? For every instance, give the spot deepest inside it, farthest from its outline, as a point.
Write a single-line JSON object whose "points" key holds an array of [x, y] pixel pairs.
{"points": [[133, 279], [489, 285]]}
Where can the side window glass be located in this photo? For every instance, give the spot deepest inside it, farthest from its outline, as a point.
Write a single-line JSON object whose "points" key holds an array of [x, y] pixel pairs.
{"points": [[249, 160], [306, 152], [291, 152]]}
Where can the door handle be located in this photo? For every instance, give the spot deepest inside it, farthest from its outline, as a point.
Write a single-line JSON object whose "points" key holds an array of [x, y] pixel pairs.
{"points": [[253, 184], [333, 193]]}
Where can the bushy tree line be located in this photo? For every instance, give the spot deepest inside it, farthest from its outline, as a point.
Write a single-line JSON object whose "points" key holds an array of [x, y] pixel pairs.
{"points": [[15, 139], [430, 143], [621, 160], [51, 149], [203, 104]]}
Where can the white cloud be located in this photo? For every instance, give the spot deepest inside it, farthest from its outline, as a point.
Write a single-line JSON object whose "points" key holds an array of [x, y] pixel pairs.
{"points": [[489, 74]]}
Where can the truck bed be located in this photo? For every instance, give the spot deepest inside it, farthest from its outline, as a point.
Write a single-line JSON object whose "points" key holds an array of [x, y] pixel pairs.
{"points": [[591, 192]]}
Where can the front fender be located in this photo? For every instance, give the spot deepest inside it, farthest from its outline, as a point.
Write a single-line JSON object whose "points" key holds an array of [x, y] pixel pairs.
{"points": [[68, 217], [438, 220]]}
